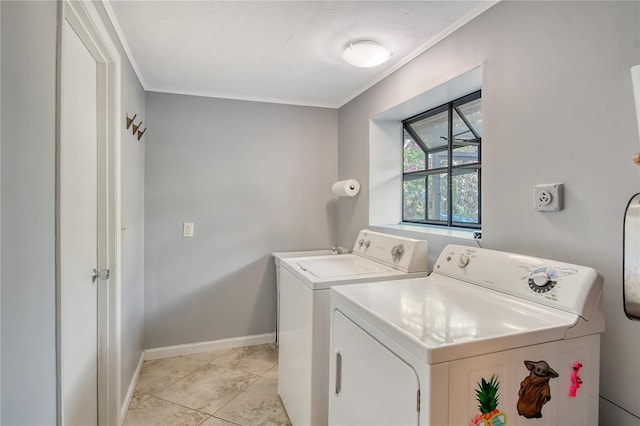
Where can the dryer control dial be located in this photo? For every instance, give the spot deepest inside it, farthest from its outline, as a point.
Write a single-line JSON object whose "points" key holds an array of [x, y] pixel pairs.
{"points": [[463, 261], [543, 280], [539, 279]]}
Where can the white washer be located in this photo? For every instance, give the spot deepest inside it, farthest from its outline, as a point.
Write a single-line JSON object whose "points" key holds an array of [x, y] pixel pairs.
{"points": [[303, 354], [277, 258], [520, 333]]}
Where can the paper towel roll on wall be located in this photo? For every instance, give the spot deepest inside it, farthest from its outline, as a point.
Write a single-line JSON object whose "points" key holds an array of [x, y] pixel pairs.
{"points": [[346, 188]]}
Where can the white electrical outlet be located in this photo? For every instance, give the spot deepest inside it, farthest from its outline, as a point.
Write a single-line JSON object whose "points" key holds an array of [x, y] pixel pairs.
{"points": [[187, 230], [548, 197]]}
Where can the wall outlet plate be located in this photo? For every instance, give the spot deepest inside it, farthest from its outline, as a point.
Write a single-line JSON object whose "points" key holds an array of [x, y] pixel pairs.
{"points": [[548, 197]]}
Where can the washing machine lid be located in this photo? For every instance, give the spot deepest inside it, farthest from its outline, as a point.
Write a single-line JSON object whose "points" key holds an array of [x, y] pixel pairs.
{"points": [[321, 272], [340, 266], [441, 319], [279, 255]]}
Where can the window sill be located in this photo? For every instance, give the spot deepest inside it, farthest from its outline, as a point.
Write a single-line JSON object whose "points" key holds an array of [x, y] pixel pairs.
{"points": [[461, 233]]}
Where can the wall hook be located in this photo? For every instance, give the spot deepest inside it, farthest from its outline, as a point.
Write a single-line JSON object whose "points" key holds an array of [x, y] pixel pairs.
{"points": [[136, 127], [130, 120], [140, 133]]}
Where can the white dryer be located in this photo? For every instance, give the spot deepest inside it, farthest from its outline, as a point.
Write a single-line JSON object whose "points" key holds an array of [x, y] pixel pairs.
{"points": [[304, 282], [489, 338]]}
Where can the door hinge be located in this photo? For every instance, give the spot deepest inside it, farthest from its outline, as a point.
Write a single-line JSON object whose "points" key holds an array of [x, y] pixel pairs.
{"points": [[418, 404]]}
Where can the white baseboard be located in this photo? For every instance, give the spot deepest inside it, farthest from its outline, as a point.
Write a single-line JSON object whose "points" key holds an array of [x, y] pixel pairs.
{"points": [[132, 387], [214, 345]]}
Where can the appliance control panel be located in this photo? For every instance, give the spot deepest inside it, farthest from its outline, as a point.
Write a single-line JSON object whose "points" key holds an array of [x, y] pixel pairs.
{"points": [[405, 254], [560, 285]]}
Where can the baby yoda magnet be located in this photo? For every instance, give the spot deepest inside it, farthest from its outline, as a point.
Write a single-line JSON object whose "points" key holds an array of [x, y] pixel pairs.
{"points": [[534, 389]]}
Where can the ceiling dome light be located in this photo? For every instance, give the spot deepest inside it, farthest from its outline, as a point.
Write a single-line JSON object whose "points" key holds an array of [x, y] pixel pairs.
{"points": [[366, 53]]}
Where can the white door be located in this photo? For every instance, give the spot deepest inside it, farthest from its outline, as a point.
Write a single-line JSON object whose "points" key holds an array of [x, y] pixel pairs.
{"points": [[78, 233], [368, 384]]}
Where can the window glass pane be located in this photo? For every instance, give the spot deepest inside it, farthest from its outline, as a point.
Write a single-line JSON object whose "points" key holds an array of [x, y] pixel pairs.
{"points": [[413, 199], [465, 142], [437, 196], [413, 155], [472, 112], [432, 130], [465, 155], [465, 196], [461, 133], [438, 159]]}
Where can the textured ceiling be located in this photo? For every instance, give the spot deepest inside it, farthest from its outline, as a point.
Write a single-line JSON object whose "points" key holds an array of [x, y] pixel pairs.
{"points": [[276, 51]]}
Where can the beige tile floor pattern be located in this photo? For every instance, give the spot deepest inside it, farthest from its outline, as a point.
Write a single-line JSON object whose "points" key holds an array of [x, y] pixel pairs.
{"points": [[223, 388]]}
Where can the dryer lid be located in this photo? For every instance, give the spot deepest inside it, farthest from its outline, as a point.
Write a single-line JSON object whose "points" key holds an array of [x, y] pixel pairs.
{"points": [[440, 319]]}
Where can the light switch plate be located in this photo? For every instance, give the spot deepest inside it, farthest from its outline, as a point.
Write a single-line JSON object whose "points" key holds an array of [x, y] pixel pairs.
{"points": [[187, 230], [548, 197]]}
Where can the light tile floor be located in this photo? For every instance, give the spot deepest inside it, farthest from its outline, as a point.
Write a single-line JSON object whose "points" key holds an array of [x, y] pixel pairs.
{"points": [[229, 387]]}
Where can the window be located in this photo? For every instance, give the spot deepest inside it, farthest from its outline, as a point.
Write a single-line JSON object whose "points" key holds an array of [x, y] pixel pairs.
{"points": [[442, 164]]}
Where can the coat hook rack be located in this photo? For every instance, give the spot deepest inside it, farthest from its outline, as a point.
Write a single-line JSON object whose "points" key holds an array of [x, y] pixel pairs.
{"points": [[130, 120], [136, 127]]}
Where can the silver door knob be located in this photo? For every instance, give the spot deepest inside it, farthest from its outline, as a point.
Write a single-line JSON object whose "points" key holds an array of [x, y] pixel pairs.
{"points": [[102, 274]]}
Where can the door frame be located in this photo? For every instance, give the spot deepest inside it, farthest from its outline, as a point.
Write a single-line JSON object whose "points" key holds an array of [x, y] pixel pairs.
{"points": [[86, 22]]}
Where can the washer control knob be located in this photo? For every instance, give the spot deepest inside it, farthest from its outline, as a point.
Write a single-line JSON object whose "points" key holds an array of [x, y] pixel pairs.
{"points": [[539, 279], [463, 261], [367, 244], [360, 243], [397, 252]]}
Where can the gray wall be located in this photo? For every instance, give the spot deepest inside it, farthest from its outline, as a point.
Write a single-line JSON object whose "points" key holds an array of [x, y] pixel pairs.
{"points": [[28, 202], [27, 281], [254, 178], [557, 107]]}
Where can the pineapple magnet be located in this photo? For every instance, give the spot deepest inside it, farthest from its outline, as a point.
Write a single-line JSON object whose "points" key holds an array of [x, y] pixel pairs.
{"points": [[534, 390], [488, 398]]}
